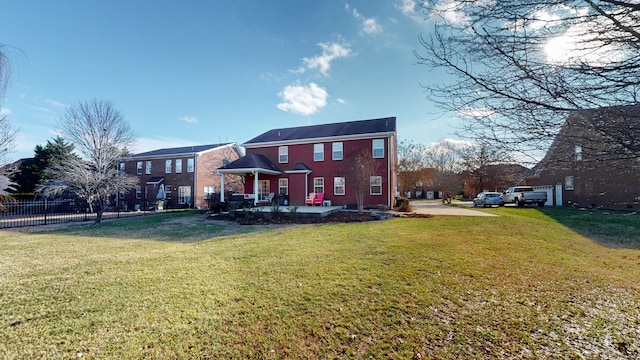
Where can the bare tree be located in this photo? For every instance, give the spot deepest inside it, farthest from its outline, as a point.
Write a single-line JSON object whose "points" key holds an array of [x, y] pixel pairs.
{"points": [[7, 131], [413, 168], [362, 166], [446, 157], [521, 66], [101, 135]]}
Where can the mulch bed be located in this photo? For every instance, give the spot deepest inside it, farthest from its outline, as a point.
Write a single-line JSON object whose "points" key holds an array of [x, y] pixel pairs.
{"points": [[285, 218]]}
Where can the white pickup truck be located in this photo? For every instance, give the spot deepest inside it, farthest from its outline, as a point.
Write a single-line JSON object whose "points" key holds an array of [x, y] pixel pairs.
{"points": [[521, 195]]}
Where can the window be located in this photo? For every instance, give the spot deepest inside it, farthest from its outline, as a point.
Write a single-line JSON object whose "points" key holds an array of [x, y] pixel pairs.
{"points": [[138, 192], [178, 166], [121, 167], [148, 168], [578, 152], [209, 191], [283, 154], [167, 191], [336, 151], [184, 195], [338, 186], [318, 152], [167, 166], [139, 167], [568, 182], [378, 148], [318, 185], [264, 189], [190, 163], [283, 186], [375, 185]]}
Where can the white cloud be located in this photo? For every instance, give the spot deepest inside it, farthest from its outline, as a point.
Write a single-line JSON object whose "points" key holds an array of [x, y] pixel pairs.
{"points": [[342, 101], [303, 100], [55, 103], [410, 9], [5, 112], [451, 11], [369, 25], [322, 63], [189, 119]]}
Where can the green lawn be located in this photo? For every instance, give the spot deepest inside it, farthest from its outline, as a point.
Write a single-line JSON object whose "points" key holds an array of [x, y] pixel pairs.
{"points": [[531, 283]]}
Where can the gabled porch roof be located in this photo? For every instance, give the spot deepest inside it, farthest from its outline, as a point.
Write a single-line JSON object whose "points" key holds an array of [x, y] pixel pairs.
{"points": [[251, 163]]}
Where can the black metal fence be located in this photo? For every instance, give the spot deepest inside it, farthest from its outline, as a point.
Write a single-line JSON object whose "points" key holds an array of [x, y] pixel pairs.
{"points": [[20, 213]]}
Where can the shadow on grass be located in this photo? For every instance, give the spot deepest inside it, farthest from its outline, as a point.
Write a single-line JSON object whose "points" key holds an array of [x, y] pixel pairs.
{"points": [[610, 228], [180, 227]]}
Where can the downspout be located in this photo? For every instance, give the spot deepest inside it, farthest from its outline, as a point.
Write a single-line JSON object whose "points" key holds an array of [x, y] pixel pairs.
{"points": [[195, 177]]}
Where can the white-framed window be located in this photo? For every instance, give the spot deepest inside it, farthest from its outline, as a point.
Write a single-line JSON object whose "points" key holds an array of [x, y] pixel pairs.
{"points": [[139, 167], [318, 152], [167, 191], [283, 154], [178, 166], [375, 185], [121, 167], [264, 188], [578, 152], [190, 165], [138, 192], [167, 166], [147, 168], [338, 185], [318, 185], [378, 148], [209, 191], [283, 186], [568, 182], [336, 151], [184, 195]]}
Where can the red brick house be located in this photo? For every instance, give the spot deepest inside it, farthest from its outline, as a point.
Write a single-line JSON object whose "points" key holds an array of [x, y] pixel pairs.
{"points": [[290, 163], [591, 163], [178, 177]]}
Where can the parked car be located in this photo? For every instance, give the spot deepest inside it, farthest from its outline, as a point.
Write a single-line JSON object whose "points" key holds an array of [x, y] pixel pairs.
{"points": [[488, 198], [521, 195]]}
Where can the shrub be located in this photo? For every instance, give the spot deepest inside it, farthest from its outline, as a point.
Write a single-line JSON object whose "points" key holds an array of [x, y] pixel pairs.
{"points": [[402, 204]]}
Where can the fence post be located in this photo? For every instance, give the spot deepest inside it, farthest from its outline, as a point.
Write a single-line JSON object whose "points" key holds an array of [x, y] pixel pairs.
{"points": [[45, 211]]}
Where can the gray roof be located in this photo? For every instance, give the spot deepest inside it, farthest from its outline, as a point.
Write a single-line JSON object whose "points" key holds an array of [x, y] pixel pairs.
{"points": [[351, 128], [252, 161], [185, 150]]}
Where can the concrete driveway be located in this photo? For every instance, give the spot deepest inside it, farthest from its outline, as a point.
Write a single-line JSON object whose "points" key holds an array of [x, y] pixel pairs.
{"points": [[436, 207]]}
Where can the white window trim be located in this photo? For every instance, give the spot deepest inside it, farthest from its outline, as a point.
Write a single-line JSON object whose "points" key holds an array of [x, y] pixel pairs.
{"points": [[374, 148], [321, 147], [371, 184], [314, 184], [178, 166], [283, 154], [284, 181], [343, 186], [168, 164], [139, 167], [333, 151], [191, 165], [147, 168]]}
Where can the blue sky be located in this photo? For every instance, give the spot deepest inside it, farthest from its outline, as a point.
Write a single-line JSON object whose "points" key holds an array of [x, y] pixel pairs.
{"points": [[199, 72]]}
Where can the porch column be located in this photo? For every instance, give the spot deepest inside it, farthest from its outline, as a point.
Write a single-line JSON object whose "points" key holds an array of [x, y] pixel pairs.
{"points": [[255, 189], [222, 187]]}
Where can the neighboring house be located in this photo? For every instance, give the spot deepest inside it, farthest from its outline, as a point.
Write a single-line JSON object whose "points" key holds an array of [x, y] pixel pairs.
{"points": [[177, 177], [293, 162], [586, 166]]}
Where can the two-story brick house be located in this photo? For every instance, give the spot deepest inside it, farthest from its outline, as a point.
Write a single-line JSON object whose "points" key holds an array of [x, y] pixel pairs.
{"points": [[176, 177], [590, 163], [294, 162]]}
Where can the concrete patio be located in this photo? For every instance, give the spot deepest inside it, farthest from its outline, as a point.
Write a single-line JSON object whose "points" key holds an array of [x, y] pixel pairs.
{"points": [[321, 211]]}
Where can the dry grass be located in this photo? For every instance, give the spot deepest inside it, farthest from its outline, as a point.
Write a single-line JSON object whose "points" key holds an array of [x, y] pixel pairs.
{"points": [[173, 287]]}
